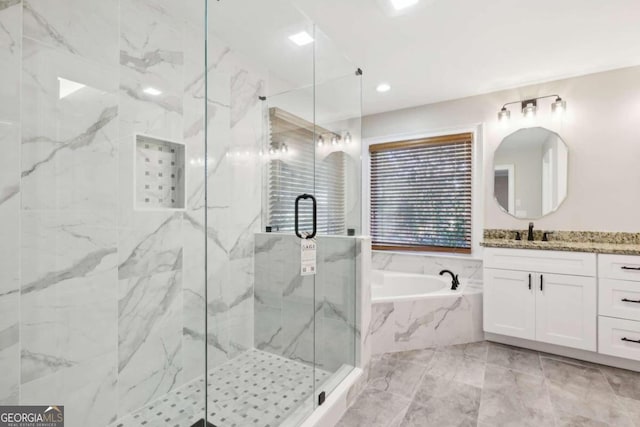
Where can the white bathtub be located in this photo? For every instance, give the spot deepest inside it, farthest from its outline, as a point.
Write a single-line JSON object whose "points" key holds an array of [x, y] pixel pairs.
{"points": [[416, 311], [387, 286]]}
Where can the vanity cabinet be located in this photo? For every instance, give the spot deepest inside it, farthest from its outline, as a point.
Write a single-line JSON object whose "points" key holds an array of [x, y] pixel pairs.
{"points": [[544, 296], [619, 306]]}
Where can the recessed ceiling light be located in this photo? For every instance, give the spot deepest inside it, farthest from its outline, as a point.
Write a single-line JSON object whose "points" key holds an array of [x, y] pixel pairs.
{"points": [[302, 38], [403, 4], [152, 91], [383, 87], [67, 87]]}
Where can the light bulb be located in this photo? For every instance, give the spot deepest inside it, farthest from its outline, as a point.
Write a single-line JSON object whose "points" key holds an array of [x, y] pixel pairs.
{"points": [[559, 106], [320, 141], [504, 114], [347, 138], [529, 111]]}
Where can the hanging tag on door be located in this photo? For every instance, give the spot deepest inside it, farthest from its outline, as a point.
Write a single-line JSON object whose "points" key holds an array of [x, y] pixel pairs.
{"points": [[307, 257]]}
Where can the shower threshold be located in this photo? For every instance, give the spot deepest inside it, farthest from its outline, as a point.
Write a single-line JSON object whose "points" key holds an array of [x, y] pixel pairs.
{"points": [[257, 388]]}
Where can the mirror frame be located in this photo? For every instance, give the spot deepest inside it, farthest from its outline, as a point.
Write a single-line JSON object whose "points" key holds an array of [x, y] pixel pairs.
{"points": [[493, 176]]}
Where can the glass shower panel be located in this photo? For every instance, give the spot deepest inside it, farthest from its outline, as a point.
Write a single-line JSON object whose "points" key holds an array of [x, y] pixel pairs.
{"points": [[260, 310], [338, 188], [101, 234]]}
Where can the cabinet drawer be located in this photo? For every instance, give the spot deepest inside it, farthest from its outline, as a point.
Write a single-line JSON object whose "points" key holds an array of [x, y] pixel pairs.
{"points": [[619, 298], [617, 337], [540, 261], [623, 267]]}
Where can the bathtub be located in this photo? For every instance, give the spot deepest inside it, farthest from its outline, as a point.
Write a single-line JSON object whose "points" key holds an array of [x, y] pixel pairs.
{"points": [[387, 286], [417, 311]]}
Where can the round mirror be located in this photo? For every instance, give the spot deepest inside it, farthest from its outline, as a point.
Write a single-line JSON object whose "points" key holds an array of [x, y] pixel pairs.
{"points": [[530, 173]]}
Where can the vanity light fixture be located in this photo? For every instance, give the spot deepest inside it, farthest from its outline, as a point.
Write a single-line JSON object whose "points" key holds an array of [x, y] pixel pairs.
{"points": [[347, 138], [334, 140], [529, 107]]}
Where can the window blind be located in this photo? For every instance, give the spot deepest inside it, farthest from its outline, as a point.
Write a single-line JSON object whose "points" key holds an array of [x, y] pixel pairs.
{"points": [[296, 170], [421, 194]]}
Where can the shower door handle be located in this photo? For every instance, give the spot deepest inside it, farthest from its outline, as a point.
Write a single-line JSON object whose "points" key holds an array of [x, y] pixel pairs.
{"points": [[315, 216]]}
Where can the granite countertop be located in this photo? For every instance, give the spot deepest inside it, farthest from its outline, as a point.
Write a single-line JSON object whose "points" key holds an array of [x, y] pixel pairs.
{"points": [[557, 245], [571, 241]]}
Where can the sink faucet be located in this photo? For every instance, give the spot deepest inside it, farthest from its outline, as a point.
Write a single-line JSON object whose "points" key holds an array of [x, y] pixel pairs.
{"points": [[530, 235], [454, 279]]}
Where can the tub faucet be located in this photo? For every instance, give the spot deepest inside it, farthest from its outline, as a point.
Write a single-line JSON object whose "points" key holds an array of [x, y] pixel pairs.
{"points": [[454, 279]]}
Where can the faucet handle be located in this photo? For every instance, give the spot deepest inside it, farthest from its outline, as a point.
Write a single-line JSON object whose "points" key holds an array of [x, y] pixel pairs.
{"points": [[518, 235], [545, 236]]}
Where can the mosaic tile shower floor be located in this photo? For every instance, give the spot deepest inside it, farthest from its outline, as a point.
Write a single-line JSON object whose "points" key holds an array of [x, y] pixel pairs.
{"points": [[256, 388]]}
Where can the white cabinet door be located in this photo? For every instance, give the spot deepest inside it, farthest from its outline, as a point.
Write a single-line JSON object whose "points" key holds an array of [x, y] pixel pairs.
{"points": [[566, 310], [509, 303]]}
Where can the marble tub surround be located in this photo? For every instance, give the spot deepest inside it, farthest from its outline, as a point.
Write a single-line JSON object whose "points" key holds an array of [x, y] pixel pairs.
{"points": [[428, 321], [464, 267], [574, 241], [489, 384]]}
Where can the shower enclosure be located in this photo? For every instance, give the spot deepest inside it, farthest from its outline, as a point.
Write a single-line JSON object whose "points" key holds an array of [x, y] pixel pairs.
{"points": [[147, 148]]}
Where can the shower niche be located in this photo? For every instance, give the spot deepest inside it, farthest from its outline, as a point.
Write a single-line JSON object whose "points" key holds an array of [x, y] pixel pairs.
{"points": [[160, 174]]}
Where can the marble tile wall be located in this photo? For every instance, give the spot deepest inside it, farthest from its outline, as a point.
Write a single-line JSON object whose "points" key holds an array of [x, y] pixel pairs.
{"points": [[284, 300], [10, 56], [467, 268], [102, 305]]}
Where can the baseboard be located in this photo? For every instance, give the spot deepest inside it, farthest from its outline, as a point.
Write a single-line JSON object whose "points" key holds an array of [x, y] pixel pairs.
{"points": [[588, 356]]}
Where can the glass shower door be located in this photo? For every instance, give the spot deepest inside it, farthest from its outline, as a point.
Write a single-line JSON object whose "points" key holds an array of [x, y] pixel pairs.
{"points": [[260, 310]]}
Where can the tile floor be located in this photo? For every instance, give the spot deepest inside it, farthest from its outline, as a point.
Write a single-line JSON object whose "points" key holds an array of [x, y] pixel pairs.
{"points": [[256, 388], [487, 385]]}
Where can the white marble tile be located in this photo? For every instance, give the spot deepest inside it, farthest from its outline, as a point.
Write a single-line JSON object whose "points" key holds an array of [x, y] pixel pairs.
{"points": [[415, 322], [151, 244], [68, 301], [363, 302], [9, 262], [422, 264], [149, 338], [10, 54], [9, 299], [87, 391], [151, 56], [454, 322], [382, 328], [86, 28], [69, 151]]}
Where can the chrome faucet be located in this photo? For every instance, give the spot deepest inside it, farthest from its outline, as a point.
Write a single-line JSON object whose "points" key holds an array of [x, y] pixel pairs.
{"points": [[454, 279], [530, 235]]}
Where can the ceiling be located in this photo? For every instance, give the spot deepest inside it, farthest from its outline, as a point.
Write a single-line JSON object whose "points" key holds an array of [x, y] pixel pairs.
{"points": [[447, 49]]}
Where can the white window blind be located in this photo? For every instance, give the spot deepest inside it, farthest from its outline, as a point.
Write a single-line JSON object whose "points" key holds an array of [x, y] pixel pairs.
{"points": [[295, 169], [421, 194]]}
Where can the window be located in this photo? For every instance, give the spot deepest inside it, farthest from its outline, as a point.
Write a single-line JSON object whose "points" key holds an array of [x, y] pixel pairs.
{"points": [[421, 194], [294, 169]]}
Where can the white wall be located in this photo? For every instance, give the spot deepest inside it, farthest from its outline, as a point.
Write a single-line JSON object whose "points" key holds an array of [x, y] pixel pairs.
{"points": [[601, 128]]}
